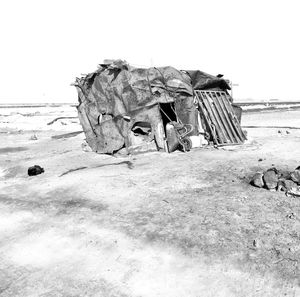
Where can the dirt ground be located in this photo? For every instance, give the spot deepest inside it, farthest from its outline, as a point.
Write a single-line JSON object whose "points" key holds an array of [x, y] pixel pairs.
{"points": [[156, 224]]}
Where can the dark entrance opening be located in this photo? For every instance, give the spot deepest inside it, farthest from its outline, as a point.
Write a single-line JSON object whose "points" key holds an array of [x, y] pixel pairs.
{"points": [[168, 114]]}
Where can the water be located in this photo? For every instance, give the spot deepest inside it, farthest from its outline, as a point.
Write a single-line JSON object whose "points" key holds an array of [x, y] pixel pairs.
{"points": [[289, 118]]}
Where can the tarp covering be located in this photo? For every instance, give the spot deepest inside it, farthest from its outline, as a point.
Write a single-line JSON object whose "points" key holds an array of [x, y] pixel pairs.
{"points": [[115, 96], [203, 81]]}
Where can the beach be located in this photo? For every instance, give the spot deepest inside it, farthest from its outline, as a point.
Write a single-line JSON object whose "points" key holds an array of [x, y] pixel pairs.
{"points": [[153, 224]]}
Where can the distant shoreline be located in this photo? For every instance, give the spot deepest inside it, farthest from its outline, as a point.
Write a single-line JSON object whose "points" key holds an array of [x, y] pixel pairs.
{"points": [[271, 108], [30, 105], [249, 103], [246, 106]]}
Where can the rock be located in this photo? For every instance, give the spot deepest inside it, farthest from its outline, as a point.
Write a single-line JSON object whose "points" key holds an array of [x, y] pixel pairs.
{"points": [[290, 185], [257, 180], [285, 174], [260, 159], [295, 176], [35, 170], [273, 169], [280, 185], [286, 185], [294, 192], [270, 178]]}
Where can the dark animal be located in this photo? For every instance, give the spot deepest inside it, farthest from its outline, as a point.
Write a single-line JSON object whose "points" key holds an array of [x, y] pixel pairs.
{"points": [[35, 170]]}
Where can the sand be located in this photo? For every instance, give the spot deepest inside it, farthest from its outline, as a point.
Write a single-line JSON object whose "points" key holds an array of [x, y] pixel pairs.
{"points": [[156, 224]]}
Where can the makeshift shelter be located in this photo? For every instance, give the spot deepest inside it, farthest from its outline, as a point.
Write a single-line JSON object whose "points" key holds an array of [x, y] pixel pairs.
{"points": [[139, 109]]}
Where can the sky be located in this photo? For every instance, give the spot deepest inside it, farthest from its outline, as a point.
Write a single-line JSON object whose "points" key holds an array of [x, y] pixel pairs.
{"points": [[46, 44]]}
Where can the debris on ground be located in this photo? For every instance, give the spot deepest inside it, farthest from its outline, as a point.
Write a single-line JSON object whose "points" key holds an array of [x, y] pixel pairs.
{"points": [[285, 184], [66, 135], [291, 216], [276, 180], [60, 118], [33, 137], [72, 170], [35, 170], [128, 163], [294, 192]]}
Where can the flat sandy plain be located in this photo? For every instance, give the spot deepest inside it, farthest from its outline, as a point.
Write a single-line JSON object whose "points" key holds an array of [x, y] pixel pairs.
{"points": [[155, 224]]}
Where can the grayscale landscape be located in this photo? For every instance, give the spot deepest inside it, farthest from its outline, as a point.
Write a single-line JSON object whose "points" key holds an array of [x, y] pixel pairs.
{"points": [[149, 148]]}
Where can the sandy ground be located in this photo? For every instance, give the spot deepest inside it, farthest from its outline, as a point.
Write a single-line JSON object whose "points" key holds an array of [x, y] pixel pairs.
{"points": [[157, 224]]}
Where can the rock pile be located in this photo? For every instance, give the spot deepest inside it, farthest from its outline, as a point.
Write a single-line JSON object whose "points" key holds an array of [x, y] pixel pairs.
{"points": [[275, 180]]}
